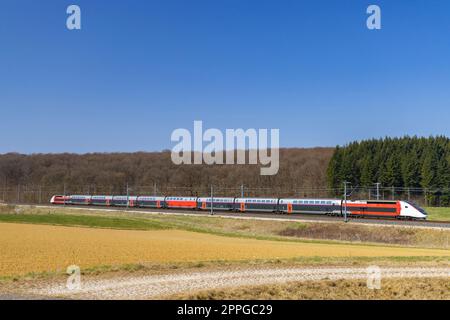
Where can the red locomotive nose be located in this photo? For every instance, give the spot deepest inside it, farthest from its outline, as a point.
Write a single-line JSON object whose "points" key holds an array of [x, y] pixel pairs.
{"points": [[58, 200]]}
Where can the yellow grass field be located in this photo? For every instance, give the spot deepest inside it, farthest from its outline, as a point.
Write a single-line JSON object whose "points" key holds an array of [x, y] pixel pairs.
{"points": [[26, 248]]}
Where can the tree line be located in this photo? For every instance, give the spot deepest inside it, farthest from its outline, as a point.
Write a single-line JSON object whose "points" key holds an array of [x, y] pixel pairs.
{"points": [[299, 168], [407, 162]]}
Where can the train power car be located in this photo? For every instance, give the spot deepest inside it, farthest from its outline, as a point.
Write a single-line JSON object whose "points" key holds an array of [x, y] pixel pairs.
{"points": [[384, 209], [59, 200]]}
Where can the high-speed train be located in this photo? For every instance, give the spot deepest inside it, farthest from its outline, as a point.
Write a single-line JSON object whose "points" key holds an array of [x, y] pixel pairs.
{"points": [[333, 207]]}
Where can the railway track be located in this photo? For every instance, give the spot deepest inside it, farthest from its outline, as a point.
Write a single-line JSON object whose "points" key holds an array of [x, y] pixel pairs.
{"points": [[269, 216]]}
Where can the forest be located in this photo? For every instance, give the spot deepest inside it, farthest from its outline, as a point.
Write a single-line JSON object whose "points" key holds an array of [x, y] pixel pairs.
{"points": [[404, 163], [142, 171]]}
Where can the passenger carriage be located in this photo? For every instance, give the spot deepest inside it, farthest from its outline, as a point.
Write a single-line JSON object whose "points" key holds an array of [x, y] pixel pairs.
{"points": [[219, 203], [151, 202], [80, 200], [256, 204], [310, 206], [101, 200], [124, 201], [181, 202]]}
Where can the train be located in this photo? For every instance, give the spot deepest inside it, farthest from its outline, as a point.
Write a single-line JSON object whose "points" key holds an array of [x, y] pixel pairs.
{"points": [[395, 209]]}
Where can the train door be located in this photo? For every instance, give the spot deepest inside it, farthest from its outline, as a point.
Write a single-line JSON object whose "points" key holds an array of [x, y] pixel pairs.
{"points": [[289, 207], [242, 207]]}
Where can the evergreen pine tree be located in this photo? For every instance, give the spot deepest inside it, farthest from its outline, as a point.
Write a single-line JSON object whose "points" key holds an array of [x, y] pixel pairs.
{"points": [[391, 175], [367, 172]]}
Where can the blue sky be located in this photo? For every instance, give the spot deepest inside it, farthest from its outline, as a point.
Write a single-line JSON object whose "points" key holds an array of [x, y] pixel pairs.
{"points": [[140, 69]]}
